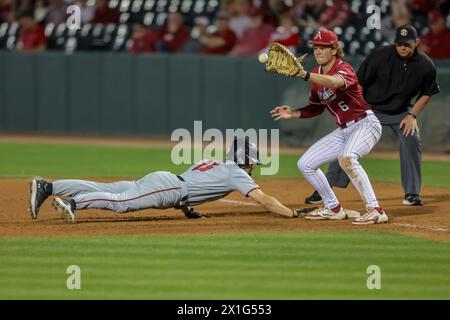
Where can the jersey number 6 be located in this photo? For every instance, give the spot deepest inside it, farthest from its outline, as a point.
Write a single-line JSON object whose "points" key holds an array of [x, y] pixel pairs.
{"points": [[343, 106]]}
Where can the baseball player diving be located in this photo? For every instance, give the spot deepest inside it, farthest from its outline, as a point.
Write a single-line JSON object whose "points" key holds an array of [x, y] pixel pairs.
{"points": [[203, 182], [335, 87]]}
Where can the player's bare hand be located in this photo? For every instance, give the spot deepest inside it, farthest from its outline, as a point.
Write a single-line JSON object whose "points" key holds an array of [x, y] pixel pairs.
{"points": [[409, 126], [282, 112]]}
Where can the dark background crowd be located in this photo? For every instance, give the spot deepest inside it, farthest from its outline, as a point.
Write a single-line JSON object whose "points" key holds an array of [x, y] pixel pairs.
{"points": [[228, 27]]}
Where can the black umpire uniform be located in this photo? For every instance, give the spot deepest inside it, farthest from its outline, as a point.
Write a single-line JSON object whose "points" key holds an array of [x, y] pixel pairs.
{"points": [[389, 84]]}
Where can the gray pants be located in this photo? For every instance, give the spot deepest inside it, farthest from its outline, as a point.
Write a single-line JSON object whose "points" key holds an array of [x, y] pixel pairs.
{"points": [[158, 190], [410, 157]]}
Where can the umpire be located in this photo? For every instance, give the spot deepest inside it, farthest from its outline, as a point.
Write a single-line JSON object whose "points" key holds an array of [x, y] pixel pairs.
{"points": [[391, 77]]}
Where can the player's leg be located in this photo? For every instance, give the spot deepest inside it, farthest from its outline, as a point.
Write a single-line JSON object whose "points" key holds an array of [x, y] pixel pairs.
{"points": [[40, 190], [70, 188], [336, 178], [158, 190], [362, 137], [410, 166], [325, 150]]}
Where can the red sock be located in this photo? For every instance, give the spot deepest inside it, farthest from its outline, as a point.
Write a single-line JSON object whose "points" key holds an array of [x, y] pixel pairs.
{"points": [[336, 209], [380, 210]]}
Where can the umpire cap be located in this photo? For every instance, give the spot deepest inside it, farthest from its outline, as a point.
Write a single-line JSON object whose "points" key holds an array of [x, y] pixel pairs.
{"points": [[405, 34]]}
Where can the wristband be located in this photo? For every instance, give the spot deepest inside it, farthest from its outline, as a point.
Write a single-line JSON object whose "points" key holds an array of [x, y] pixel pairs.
{"points": [[308, 74], [412, 114]]}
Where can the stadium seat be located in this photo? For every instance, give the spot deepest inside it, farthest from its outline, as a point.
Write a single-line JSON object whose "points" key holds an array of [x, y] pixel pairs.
{"points": [[124, 6], [137, 6]]}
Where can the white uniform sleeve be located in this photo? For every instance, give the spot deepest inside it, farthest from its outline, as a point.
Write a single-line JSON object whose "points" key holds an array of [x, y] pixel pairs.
{"points": [[241, 181]]}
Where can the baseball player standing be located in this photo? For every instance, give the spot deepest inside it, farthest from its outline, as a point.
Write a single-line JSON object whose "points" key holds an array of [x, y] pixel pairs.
{"points": [[391, 76], [334, 86], [206, 181]]}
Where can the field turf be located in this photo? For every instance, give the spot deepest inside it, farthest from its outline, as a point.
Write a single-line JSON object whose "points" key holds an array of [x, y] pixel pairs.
{"points": [[226, 266], [316, 265]]}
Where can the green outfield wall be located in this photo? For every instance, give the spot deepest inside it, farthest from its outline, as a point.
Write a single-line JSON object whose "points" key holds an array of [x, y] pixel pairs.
{"points": [[151, 95]]}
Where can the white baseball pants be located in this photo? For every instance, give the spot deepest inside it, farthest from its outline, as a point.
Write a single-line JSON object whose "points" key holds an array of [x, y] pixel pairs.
{"points": [[347, 145]]}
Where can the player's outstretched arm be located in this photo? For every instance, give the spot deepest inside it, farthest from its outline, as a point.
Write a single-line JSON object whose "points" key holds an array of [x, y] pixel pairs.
{"points": [[271, 204], [328, 81]]}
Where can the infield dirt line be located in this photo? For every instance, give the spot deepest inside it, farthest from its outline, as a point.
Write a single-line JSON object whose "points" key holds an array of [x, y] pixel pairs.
{"points": [[406, 225]]}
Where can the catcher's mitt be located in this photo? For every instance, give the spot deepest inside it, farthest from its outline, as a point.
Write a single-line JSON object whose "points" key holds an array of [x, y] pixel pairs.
{"points": [[282, 61]]}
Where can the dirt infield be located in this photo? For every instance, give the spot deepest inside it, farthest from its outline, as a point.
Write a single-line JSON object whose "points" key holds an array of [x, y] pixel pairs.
{"points": [[234, 214]]}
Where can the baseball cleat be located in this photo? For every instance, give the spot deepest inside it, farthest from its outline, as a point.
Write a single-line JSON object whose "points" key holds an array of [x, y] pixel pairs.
{"points": [[372, 216], [326, 214], [64, 207], [37, 196], [412, 200], [314, 198]]}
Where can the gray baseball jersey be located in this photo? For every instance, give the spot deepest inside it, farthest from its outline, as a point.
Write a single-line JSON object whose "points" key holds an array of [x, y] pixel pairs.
{"points": [[206, 181], [211, 180]]}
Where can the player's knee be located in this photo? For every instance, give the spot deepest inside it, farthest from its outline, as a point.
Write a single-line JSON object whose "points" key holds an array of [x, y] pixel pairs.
{"points": [[347, 162], [304, 166]]}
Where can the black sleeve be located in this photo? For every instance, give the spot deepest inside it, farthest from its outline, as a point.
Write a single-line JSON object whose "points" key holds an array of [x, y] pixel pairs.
{"points": [[429, 83], [366, 72]]}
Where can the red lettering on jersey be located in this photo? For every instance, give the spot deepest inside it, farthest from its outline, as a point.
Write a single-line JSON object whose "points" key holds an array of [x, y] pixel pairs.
{"points": [[205, 166]]}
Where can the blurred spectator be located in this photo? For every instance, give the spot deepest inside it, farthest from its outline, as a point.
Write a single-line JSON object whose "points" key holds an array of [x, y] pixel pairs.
{"points": [[22, 5], [193, 45], [255, 37], [32, 35], [6, 11], [56, 12], [173, 35], [142, 39], [272, 10], [311, 13], [104, 14], [336, 14], [222, 40], [318, 13], [287, 33], [240, 20], [400, 15], [423, 5], [86, 11], [436, 43], [40, 10]]}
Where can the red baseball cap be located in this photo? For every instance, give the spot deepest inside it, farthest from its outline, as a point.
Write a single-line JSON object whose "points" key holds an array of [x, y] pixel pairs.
{"points": [[324, 37]]}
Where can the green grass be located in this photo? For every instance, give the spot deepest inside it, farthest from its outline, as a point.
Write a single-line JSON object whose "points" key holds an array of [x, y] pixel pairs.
{"points": [[229, 266], [78, 161]]}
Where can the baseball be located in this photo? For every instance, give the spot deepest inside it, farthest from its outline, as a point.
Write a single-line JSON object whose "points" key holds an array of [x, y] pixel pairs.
{"points": [[263, 58]]}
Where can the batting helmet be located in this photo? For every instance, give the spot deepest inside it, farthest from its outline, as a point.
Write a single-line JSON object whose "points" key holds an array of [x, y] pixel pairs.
{"points": [[243, 153]]}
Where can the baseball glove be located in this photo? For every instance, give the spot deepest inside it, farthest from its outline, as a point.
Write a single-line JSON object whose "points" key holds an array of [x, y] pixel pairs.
{"points": [[282, 61]]}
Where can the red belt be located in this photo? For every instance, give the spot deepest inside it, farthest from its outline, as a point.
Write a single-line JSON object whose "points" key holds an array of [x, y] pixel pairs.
{"points": [[358, 118]]}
